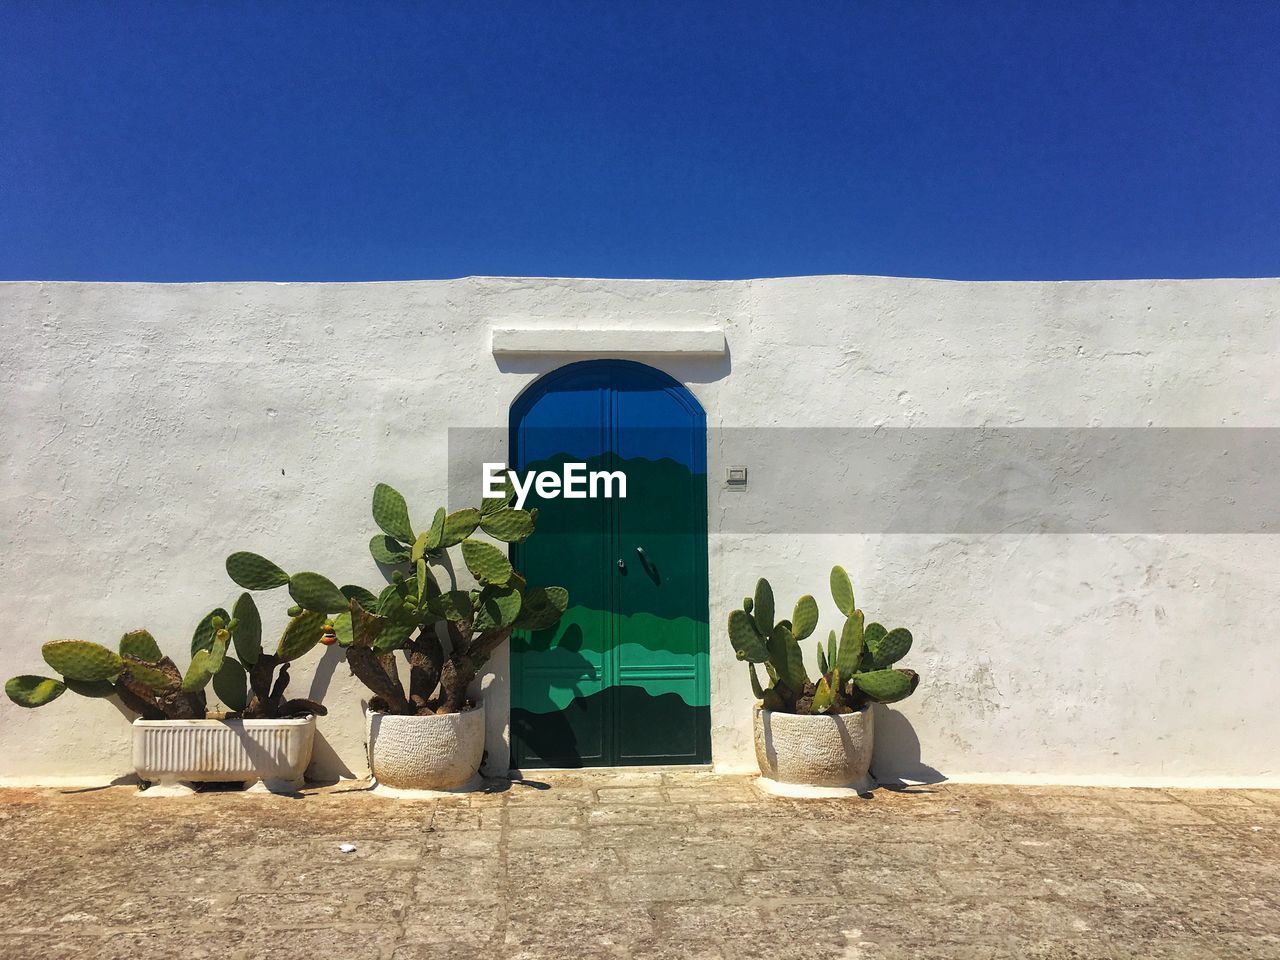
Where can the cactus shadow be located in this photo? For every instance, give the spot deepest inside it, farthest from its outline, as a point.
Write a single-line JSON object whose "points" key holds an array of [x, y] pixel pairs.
{"points": [[896, 756], [124, 780], [327, 766], [322, 676]]}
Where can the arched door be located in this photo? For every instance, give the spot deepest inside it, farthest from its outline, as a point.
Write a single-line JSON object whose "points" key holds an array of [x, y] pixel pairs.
{"points": [[623, 678]]}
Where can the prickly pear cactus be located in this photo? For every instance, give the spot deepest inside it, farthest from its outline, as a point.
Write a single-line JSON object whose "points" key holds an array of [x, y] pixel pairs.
{"points": [[141, 645], [311, 591], [445, 634], [301, 635], [82, 660], [486, 562], [854, 669], [32, 691], [391, 513], [253, 572], [507, 525]]}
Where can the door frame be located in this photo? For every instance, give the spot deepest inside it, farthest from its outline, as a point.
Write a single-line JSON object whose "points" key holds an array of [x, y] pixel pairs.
{"points": [[677, 391]]}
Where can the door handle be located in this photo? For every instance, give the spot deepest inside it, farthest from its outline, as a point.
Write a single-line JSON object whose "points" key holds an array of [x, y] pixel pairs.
{"points": [[643, 556]]}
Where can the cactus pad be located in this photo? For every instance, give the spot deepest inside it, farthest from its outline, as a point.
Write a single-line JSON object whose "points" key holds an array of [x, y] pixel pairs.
{"points": [[486, 562], [387, 551], [392, 638], [343, 629], [82, 660], [247, 635], [824, 695], [871, 636], [230, 685], [542, 608], [762, 610], [804, 619], [507, 525], [458, 526], [366, 626], [364, 597], [140, 644], [316, 593], [199, 673], [785, 655], [849, 653], [746, 640], [453, 605], [496, 504], [32, 691], [842, 591], [887, 649], [434, 537], [202, 638], [147, 674], [301, 634], [887, 686], [218, 649], [391, 513], [497, 607], [425, 583], [253, 572]]}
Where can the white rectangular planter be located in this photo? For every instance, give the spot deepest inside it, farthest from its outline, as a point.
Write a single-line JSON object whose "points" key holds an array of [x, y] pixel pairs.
{"points": [[175, 753]]}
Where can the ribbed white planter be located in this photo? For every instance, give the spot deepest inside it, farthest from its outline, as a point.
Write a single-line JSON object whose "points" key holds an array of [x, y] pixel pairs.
{"points": [[426, 753], [814, 755], [172, 754]]}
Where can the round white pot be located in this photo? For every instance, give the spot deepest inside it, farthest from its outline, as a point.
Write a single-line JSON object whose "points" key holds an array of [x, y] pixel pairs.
{"points": [[426, 753], [807, 755]]}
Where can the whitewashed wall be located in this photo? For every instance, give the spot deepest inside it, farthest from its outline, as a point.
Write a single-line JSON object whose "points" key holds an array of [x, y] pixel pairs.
{"points": [[148, 430]]}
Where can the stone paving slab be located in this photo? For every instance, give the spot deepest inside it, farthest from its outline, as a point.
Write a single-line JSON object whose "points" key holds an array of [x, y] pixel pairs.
{"points": [[642, 864]]}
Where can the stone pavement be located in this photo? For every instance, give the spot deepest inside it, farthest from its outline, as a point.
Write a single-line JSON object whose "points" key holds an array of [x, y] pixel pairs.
{"points": [[650, 864]]}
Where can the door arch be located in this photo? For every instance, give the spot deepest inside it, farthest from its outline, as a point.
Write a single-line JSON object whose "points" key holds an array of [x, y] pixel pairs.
{"points": [[624, 678]]}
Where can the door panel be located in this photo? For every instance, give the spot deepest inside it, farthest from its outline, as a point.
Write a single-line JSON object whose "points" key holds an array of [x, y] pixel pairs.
{"points": [[560, 676], [660, 442], [623, 679]]}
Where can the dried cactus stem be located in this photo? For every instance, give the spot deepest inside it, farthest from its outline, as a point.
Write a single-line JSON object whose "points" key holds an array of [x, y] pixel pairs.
{"points": [[426, 660], [364, 663], [144, 707]]}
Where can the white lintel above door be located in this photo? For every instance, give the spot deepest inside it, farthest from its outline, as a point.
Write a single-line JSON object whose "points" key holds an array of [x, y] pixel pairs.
{"points": [[584, 341]]}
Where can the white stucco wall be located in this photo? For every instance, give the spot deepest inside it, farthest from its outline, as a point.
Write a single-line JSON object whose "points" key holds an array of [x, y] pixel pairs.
{"points": [[148, 430]]}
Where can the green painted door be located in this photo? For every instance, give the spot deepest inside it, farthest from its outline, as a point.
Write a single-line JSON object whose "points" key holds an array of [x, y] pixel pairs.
{"points": [[623, 679]]}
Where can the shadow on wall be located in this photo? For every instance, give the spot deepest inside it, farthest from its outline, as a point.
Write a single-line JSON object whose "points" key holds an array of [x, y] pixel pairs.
{"points": [[323, 676], [326, 766], [896, 754]]}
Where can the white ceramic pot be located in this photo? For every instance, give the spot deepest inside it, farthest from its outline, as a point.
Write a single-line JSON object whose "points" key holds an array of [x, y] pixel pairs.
{"points": [[172, 754], [438, 752], [823, 754]]}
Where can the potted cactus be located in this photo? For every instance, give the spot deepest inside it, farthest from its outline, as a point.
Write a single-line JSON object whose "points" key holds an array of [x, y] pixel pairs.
{"points": [[817, 733], [428, 735], [264, 738]]}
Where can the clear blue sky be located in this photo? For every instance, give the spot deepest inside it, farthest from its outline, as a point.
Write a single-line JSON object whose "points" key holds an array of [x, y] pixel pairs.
{"points": [[307, 141]]}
